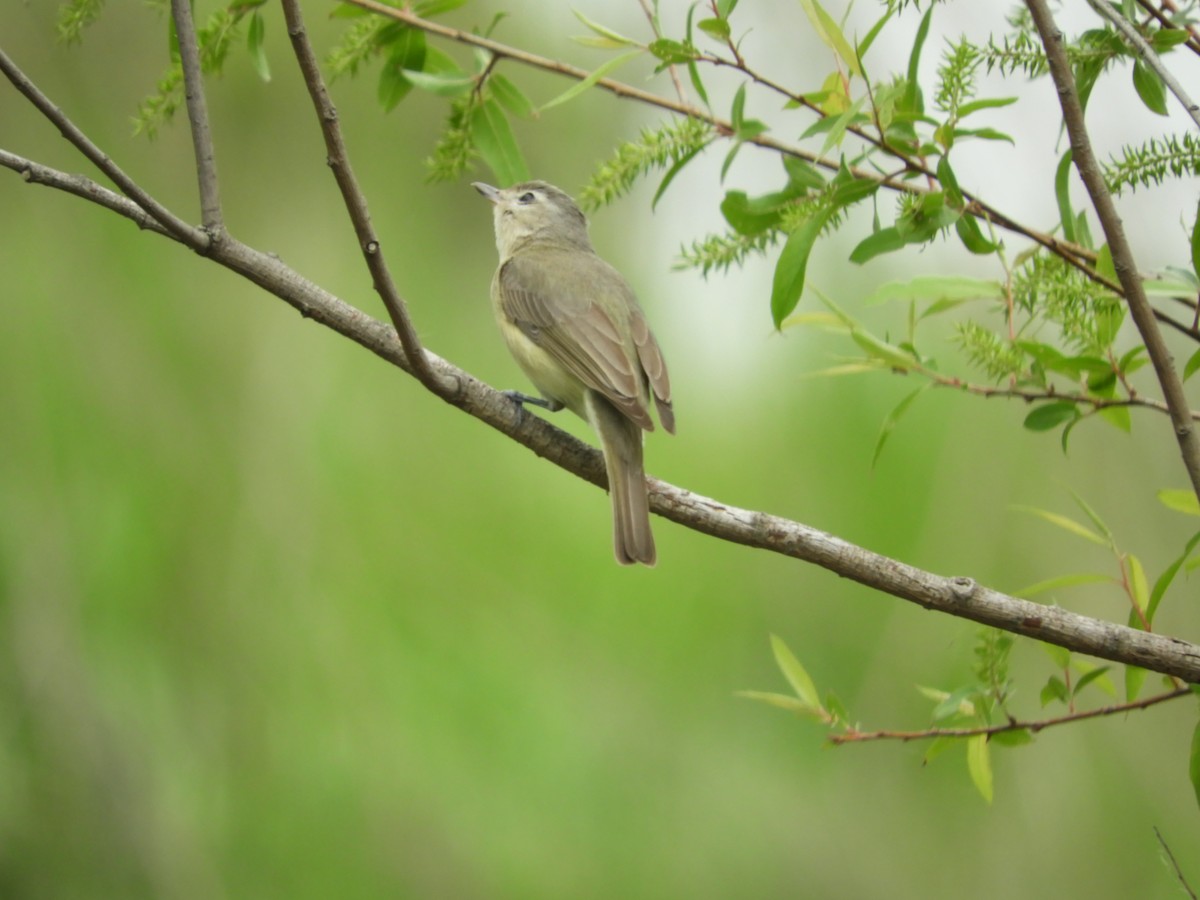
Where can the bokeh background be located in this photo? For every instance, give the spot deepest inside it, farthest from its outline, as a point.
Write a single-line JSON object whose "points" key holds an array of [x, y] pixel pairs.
{"points": [[276, 622]]}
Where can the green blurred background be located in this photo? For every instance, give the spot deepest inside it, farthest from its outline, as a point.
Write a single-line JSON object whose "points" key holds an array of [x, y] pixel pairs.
{"points": [[276, 622]]}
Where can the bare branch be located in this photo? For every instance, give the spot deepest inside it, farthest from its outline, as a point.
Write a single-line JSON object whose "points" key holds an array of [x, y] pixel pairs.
{"points": [[1146, 54], [193, 237], [1114, 231], [202, 144], [854, 736], [958, 596], [1183, 882], [356, 205]]}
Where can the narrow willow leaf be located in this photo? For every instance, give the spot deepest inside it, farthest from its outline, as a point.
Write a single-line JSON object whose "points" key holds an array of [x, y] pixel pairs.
{"points": [[883, 351], [1093, 674], [785, 701], [717, 29], [494, 140], [797, 677], [1048, 416], [510, 96], [254, 43], [865, 44], [675, 169], [912, 97], [1168, 575], [937, 287], [1062, 195], [886, 240], [1088, 678], [788, 281], [1150, 88], [449, 85], [1196, 247], [889, 423], [979, 764], [1100, 524], [1180, 500], [694, 75], [606, 33], [1017, 737], [580, 86], [1055, 689], [990, 103], [829, 32], [432, 8], [1134, 679], [1138, 583], [1194, 763], [1065, 523]]}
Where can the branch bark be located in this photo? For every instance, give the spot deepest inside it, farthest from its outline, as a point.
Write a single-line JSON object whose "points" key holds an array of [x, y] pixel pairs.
{"points": [[958, 596], [197, 107], [1114, 231]]}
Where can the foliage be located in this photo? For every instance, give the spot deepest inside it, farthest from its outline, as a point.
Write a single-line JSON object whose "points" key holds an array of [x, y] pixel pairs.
{"points": [[1046, 329]]}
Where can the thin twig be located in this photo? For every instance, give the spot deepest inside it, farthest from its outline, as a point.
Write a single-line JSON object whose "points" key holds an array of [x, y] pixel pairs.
{"points": [[1146, 54], [672, 68], [1175, 864], [188, 234], [1032, 396], [957, 596], [1192, 43], [1140, 309], [852, 736], [1075, 255], [197, 108], [356, 203]]}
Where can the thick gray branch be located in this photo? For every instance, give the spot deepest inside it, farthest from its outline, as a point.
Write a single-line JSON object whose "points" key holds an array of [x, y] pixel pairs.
{"points": [[197, 107]]}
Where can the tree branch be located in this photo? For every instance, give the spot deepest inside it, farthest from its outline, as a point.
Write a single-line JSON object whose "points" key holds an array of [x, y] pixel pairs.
{"points": [[1123, 261], [853, 736], [1146, 54], [202, 143], [957, 596], [187, 234], [356, 205]]}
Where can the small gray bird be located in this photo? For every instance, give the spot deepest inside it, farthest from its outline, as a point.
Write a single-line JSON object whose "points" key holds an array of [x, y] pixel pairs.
{"points": [[575, 328]]}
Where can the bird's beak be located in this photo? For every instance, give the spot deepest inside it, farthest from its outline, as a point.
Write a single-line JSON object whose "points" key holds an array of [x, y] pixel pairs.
{"points": [[491, 193]]}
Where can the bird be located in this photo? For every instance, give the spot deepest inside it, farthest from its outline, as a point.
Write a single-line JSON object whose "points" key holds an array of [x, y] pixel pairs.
{"points": [[574, 326]]}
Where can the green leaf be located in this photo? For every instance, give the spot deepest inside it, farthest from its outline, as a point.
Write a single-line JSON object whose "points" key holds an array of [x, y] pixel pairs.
{"points": [[1180, 500], [254, 43], [1138, 584], [493, 138], [510, 96], [979, 764], [717, 29], [1065, 523], [613, 38], [889, 423], [865, 44], [675, 169], [738, 107], [883, 351], [991, 103], [694, 75], [1193, 364], [448, 85], [1194, 763], [1061, 656], [802, 176], [971, 235], [829, 32], [937, 287], [1048, 416], [797, 677], [580, 86], [886, 240], [407, 53], [1196, 246], [788, 281], [1134, 679], [785, 701], [1168, 575], [913, 103], [1062, 194], [725, 7], [1150, 88], [671, 52], [1014, 738], [1054, 689], [431, 8], [1092, 674]]}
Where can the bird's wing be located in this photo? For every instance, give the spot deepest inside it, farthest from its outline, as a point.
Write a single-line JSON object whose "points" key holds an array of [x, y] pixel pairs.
{"points": [[557, 314]]}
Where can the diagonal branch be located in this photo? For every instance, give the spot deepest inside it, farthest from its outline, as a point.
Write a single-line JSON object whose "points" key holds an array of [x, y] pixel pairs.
{"points": [[1146, 54], [187, 234], [957, 596], [356, 204], [1114, 231], [202, 143]]}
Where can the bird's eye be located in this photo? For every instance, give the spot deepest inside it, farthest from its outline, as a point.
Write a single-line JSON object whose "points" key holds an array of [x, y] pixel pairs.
{"points": [[527, 197]]}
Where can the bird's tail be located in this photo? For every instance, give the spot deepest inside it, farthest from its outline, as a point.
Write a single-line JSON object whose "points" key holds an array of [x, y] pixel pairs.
{"points": [[621, 440]]}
